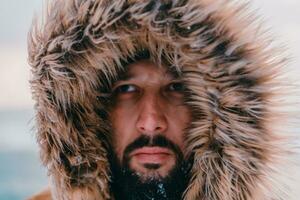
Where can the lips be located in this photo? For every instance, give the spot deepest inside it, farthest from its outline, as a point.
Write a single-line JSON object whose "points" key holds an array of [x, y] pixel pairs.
{"points": [[151, 154], [150, 150]]}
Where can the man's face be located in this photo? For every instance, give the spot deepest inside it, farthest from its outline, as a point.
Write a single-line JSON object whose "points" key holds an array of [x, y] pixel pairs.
{"points": [[149, 119]]}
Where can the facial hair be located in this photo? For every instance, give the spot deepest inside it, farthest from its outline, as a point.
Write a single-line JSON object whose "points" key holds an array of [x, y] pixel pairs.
{"points": [[127, 184]]}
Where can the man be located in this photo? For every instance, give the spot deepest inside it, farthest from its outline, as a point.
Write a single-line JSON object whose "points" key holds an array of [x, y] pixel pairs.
{"points": [[148, 122], [156, 100]]}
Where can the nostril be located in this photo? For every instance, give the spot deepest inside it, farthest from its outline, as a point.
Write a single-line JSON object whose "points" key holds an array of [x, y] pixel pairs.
{"points": [[158, 128]]}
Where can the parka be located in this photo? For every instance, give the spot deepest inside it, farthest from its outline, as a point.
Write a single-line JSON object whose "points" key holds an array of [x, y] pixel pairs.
{"points": [[232, 74]]}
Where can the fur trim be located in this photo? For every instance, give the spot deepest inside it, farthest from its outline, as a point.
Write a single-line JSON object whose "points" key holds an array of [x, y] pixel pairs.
{"points": [[232, 75]]}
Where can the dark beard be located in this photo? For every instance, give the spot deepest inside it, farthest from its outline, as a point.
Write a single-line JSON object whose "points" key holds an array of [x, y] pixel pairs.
{"points": [[126, 184]]}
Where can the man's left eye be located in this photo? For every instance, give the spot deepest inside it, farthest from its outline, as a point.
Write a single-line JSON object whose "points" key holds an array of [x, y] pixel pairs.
{"points": [[176, 87]]}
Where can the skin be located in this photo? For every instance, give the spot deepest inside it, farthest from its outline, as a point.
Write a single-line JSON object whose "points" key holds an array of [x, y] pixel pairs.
{"points": [[149, 102]]}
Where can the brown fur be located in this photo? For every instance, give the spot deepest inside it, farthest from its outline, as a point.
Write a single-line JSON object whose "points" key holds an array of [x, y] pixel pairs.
{"points": [[232, 75]]}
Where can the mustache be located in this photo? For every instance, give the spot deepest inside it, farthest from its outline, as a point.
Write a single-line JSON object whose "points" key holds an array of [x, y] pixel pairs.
{"points": [[156, 141]]}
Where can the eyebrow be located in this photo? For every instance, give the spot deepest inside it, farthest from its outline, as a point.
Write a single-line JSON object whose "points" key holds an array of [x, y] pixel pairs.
{"points": [[125, 77], [174, 74]]}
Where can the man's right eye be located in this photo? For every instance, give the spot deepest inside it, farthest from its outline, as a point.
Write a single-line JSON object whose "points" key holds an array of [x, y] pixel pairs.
{"points": [[125, 89]]}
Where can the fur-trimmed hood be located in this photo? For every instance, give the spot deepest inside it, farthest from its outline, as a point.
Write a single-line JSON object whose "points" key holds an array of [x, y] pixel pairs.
{"points": [[231, 73]]}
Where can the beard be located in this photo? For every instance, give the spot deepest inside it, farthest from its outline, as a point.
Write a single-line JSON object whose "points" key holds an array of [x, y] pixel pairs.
{"points": [[127, 184]]}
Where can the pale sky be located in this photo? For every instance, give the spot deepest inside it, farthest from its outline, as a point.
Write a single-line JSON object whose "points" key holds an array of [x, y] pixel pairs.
{"points": [[282, 16], [15, 20]]}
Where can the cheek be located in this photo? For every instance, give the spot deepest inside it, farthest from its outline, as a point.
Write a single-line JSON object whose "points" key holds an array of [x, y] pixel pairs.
{"points": [[179, 121], [122, 129]]}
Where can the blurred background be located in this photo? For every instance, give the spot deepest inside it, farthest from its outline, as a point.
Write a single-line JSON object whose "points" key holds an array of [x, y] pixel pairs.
{"points": [[21, 173]]}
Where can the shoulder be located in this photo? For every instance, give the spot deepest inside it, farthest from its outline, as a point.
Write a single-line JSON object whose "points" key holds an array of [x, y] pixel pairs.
{"points": [[43, 195]]}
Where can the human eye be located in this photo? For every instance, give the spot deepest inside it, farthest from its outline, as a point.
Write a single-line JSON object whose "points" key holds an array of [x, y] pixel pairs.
{"points": [[176, 87], [125, 88]]}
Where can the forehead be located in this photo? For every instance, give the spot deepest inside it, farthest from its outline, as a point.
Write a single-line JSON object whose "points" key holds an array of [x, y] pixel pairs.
{"points": [[150, 70]]}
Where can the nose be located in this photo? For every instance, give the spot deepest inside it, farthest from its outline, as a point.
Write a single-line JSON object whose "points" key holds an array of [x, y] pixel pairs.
{"points": [[152, 119]]}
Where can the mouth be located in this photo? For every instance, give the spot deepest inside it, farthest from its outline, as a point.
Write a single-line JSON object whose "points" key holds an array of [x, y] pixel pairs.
{"points": [[151, 155]]}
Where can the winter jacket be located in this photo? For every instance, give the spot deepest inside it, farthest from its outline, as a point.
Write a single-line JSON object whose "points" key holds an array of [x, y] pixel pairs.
{"points": [[230, 70]]}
